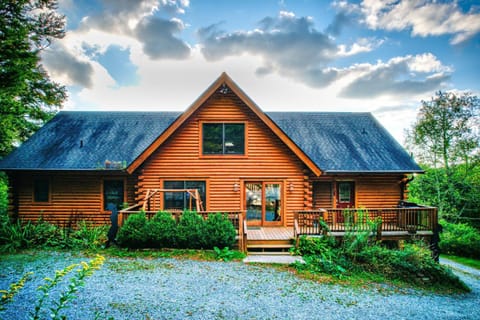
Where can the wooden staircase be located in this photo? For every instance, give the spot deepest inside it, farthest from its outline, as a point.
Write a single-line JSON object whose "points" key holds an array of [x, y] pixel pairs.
{"points": [[270, 240]]}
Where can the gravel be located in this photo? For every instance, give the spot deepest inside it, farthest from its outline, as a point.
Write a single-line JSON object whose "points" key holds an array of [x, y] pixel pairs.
{"points": [[179, 289]]}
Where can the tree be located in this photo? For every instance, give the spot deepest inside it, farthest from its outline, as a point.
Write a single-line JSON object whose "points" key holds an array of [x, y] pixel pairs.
{"points": [[444, 131], [446, 140], [28, 98]]}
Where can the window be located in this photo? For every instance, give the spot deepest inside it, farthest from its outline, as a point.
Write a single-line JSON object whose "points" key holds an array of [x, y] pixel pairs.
{"points": [[223, 138], [182, 200], [41, 190], [113, 192]]}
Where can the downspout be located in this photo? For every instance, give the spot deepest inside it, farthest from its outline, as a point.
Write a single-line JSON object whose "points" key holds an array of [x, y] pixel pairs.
{"points": [[403, 186]]}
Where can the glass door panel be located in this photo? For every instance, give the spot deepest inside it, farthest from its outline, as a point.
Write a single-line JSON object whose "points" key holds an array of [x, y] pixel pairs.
{"points": [[273, 203], [254, 202], [263, 202]]}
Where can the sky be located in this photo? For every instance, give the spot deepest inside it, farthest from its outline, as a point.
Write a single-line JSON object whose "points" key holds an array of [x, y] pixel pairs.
{"points": [[379, 56]]}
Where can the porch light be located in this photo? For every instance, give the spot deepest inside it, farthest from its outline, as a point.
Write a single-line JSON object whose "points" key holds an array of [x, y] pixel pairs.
{"points": [[236, 187], [290, 187]]}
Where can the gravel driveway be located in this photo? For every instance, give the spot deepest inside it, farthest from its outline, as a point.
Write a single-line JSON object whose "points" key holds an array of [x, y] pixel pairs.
{"points": [[187, 289]]}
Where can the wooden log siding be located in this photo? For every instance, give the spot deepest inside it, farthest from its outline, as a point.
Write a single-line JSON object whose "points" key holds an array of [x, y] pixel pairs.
{"points": [[73, 197], [266, 159], [371, 191]]}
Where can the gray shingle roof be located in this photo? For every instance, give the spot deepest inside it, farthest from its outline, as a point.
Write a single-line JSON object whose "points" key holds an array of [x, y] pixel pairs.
{"points": [[345, 142], [85, 140], [336, 142]]}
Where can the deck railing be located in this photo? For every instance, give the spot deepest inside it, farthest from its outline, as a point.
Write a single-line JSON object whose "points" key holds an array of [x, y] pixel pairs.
{"points": [[410, 220], [236, 217]]}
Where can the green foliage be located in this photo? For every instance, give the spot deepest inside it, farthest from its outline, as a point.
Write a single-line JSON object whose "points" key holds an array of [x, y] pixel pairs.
{"points": [[443, 133], [309, 246], [3, 193], [162, 231], [87, 236], [413, 264], [28, 97], [445, 141], [225, 254], [83, 269], [41, 234], [457, 196], [6, 296], [357, 253], [321, 255], [460, 240], [191, 231], [133, 233], [218, 232]]}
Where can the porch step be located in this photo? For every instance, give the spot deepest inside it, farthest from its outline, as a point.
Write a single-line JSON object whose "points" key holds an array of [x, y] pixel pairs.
{"points": [[269, 253], [269, 247]]}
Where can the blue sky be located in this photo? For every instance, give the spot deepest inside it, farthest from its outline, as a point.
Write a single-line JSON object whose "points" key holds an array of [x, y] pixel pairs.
{"points": [[373, 56]]}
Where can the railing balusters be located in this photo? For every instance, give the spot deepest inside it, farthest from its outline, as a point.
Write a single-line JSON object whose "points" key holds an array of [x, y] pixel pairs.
{"points": [[393, 219]]}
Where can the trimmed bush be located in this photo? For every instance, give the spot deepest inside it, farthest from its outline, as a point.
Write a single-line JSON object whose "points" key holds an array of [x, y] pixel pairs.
{"points": [[133, 233], [191, 231], [162, 231], [218, 232], [460, 239]]}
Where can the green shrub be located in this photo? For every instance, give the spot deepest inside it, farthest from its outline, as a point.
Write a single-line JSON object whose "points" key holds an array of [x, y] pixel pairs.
{"points": [[218, 232], [309, 246], [191, 231], [44, 234], [460, 239], [88, 236], [133, 233], [413, 264], [162, 230], [13, 236]]}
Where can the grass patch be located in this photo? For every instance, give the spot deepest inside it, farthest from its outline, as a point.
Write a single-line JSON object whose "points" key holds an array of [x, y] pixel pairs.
{"points": [[200, 255], [465, 261]]}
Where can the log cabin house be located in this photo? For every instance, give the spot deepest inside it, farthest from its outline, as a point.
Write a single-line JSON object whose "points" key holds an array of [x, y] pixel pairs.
{"points": [[274, 173]]}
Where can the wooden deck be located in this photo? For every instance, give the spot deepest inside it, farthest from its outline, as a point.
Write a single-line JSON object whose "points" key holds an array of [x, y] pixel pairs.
{"points": [[271, 233], [392, 223]]}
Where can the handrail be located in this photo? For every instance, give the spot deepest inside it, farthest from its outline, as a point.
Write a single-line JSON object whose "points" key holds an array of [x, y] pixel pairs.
{"points": [[411, 220]]}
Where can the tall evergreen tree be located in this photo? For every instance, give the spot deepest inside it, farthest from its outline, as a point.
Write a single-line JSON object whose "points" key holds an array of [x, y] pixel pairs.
{"points": [[28, 97]]}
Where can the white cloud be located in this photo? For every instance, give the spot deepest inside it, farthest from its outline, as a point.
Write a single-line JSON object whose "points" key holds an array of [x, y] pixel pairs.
{"points": [[400, 76], [362, 45], [423, 17]]}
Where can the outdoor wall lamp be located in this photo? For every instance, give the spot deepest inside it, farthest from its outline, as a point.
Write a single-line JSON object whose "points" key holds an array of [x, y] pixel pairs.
{"points": [[236, 187], [290, 187]]}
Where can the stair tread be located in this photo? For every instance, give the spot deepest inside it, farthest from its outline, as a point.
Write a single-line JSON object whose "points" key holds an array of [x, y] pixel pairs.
{"points": [[269, 245]]}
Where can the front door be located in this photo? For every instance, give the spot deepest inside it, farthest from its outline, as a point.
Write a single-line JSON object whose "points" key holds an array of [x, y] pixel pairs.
{"points": [[345, 197], [345, 194], [263, 203]]}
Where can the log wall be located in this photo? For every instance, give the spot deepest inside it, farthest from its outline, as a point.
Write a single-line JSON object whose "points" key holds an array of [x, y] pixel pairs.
{"points": [[73, 197], [371, 191], [266, 159]]}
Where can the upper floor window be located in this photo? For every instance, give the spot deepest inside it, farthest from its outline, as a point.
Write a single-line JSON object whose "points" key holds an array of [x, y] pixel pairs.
{"points": [[223, 138], [41, 190]]}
